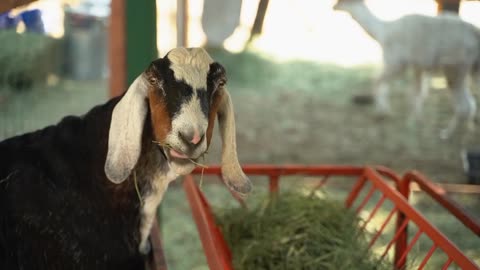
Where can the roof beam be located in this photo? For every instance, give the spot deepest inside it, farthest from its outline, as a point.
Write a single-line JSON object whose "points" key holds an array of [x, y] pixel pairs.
{"points": [[6, 5]]}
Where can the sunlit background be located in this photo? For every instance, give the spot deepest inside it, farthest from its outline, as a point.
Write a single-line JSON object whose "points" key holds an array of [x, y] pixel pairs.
{"points": [[306, 29]]}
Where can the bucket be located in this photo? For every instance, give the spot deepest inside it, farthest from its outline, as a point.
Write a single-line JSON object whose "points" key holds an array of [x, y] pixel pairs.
{"points": [[33, 20]]}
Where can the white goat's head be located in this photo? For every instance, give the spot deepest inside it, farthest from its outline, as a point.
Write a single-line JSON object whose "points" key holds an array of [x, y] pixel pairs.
{"points": [[345, 5], [183, 93]]}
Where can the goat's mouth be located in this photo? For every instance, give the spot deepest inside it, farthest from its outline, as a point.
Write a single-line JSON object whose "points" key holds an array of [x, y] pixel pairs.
{"points": [[170, 153], [173, 155], [177, 154]]}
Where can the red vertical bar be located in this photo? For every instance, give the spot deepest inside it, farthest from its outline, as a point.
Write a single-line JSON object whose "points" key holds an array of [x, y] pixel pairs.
{"points": [[355, 191], [117, 49], [390, 215], [365, 200], [321, 183], [217, 254], [158, 262], [401, 245], [427, 257], [395, 237], [274, 183], [403, 257], [447, 264], [375, 209]]}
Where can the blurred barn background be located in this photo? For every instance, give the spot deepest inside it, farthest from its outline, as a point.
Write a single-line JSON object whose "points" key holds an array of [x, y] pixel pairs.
{"points": [[294, 68]]}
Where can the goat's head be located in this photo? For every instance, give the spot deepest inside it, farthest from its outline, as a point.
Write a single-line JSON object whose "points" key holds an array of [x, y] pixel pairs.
{"points": [[183, 92], [345, 5]]}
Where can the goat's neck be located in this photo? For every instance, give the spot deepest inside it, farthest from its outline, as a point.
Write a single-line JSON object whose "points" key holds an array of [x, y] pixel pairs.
{"points": [[368, 21], [153, 175], [156, 172]]}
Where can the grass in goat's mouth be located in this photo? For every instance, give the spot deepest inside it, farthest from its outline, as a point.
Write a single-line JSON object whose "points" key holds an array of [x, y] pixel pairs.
{"points": [[203, 166], [189, 159]]}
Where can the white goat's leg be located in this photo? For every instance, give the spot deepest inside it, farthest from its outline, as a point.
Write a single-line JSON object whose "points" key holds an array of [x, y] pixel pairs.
{"points": [[382, 88], [382, 104], [463, 102], [465, 108], [418, 95]]}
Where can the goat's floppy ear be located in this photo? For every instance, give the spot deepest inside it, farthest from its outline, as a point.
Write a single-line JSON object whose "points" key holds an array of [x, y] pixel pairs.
{"points": [[125, 134], [231, 170]]}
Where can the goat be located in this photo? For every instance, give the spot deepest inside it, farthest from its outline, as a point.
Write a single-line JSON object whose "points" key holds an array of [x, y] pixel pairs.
{"points": [[83, 194], [426, 44]]}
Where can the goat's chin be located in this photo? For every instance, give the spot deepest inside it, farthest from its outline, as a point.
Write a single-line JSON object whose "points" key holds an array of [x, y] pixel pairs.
{"points": [[181, 166]]}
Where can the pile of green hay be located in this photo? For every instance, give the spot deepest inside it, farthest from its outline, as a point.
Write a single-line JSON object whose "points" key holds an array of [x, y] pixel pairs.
{"points": [[293, 231], [26, 59]]}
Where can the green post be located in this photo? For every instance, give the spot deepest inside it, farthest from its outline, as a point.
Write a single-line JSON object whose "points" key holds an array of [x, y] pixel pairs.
{"points": [[140, 36]]}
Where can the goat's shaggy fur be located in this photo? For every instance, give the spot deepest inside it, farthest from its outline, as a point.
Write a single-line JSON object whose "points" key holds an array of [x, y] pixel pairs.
{"points": [[425, 44], [68, 196], [58, 209]]}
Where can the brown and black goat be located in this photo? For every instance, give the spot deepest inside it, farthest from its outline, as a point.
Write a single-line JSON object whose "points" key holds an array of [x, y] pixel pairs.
{"points": [[68, 192]]}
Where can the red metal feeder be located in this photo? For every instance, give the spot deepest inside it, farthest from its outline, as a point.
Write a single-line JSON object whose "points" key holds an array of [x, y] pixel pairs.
{"points": [[367, 180]]}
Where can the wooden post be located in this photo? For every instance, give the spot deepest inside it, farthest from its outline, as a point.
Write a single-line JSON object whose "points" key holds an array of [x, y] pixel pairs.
{"points": [[182, 23], [259, 19], [6, 5], [117, 61], [133, 41], [448, 5]]}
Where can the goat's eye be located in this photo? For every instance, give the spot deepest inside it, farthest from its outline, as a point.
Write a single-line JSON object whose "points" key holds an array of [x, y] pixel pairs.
{"points": [[221, 83], [152, 80]]}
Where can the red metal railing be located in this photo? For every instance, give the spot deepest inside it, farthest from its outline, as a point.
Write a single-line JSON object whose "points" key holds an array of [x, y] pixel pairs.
{"points": [[156, 259], [368, 180], [439, 195]]}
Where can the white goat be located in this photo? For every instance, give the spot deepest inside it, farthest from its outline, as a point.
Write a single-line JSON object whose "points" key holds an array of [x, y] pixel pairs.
{"points": [[442, 43]]}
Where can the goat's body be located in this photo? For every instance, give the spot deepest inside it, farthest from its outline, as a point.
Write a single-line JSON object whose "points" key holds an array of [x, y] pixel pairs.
{"points": [[421, 41], [58, 210], [444, 43], [83, 194]]}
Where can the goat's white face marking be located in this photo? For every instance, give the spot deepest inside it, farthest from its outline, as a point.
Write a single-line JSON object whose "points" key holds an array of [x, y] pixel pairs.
{"points": [[190, 120], [189, 124], [190, 66], [184, 83]]}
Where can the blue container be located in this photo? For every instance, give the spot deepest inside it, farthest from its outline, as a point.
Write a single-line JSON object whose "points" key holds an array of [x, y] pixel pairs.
{"points": [[33, 21], [7, 21]]}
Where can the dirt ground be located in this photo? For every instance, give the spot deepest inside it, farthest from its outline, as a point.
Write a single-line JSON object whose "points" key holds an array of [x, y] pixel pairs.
{"points": [[302, 128]]}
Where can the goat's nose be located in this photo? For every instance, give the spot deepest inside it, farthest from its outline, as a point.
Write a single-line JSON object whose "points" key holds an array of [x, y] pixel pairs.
{"points": [[191, 136]]}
